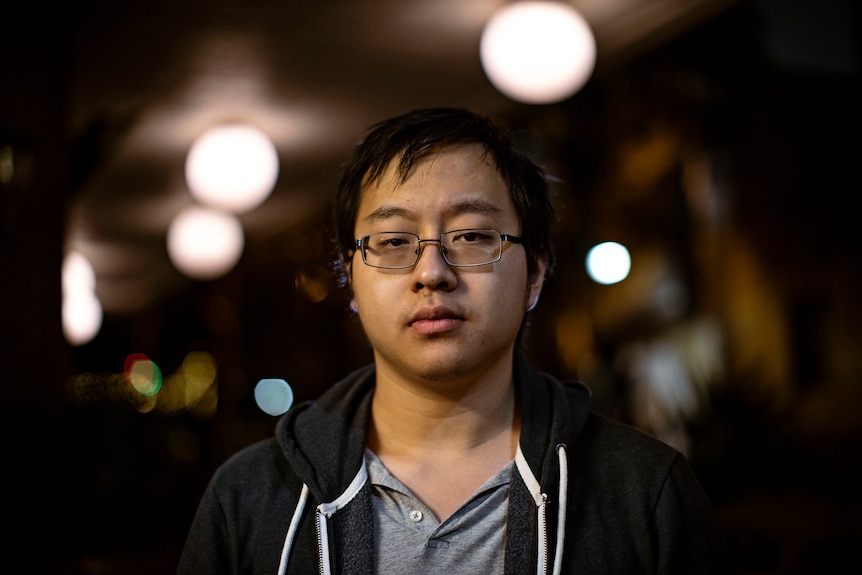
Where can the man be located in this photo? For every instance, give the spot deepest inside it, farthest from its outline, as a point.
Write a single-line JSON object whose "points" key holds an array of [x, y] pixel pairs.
{"points": [[449, 454]]}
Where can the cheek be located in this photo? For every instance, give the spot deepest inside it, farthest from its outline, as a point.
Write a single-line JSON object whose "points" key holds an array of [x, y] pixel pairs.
{"points": [[517, 281], [372, 297]]}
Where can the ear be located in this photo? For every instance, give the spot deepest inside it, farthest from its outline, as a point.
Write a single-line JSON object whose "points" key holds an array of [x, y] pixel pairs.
{"points": [[348, 278], [535, 287], [347, 264]]}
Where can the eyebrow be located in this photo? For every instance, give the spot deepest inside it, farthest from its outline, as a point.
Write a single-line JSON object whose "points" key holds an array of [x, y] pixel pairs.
{"points": [[465, 207]]}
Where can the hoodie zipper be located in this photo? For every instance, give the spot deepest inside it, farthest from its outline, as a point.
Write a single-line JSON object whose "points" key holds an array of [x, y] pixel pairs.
{"points": [[326, 510], [319, 522], [543, 533]]}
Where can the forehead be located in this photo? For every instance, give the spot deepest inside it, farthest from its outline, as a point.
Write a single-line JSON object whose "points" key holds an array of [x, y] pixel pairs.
{"points": [[449, 182]]}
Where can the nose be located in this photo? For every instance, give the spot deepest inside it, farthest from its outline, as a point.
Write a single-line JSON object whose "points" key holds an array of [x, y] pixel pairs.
{"points": [[432, 271], [421, 248]]}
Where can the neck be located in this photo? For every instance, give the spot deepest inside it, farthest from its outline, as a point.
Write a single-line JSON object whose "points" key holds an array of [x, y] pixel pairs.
{"points": [[441, 440], [409, 417]]}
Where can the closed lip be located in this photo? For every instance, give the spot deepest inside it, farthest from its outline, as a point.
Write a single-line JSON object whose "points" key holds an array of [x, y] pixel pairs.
{"points": [[434, 313]]}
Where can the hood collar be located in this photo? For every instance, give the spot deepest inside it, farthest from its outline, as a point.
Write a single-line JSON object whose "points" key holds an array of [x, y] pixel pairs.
{"points": [[325, 440]]}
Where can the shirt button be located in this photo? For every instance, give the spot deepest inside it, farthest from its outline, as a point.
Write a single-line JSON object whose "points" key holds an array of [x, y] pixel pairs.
{"points": [[415, 516]]}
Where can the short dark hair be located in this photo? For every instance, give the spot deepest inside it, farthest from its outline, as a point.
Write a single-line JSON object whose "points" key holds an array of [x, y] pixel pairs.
{"points": [[411, 136]]}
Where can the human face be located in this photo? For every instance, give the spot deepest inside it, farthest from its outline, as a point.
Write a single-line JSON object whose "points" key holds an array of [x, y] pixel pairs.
{"points": [[433, 322]]}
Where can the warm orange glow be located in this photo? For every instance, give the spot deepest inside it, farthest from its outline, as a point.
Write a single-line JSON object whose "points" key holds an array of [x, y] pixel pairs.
{"points": [[313, 282]]}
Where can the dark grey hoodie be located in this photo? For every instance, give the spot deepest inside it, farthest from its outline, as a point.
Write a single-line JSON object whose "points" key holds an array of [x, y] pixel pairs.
{"points": [[300, 502]]}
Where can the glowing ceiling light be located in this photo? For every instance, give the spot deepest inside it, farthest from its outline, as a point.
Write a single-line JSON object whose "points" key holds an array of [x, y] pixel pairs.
{"points": [[77, 273], [608, 263], [81, 314], [205, 244], [538, 52], [232, 167], [81, 311]]}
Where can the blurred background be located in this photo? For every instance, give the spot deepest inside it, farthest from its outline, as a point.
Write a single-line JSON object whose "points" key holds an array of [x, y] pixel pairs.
{"points": [[715, 141]]}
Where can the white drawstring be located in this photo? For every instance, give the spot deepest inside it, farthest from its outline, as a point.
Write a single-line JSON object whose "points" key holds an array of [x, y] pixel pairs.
{"points": [[540, 499], [561, 511], [541, 502], [324, 510], [291, 531]]}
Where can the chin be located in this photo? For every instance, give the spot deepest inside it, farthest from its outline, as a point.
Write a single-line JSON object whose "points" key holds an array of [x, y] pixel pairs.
{"points": [[447, 368]]}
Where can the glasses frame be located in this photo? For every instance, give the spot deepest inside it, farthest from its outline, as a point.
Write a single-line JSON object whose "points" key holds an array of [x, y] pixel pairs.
{"points": [[362, 246]]}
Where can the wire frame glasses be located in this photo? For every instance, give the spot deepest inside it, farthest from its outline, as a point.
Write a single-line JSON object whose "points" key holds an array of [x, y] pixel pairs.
{"points": [[459, 248]]}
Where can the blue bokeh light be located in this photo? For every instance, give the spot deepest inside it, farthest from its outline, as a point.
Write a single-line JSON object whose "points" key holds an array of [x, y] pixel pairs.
{"points": [[273, 396]]}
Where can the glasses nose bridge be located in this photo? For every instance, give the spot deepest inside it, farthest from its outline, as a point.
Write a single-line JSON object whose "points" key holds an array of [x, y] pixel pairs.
{"points": [[440, 246]]}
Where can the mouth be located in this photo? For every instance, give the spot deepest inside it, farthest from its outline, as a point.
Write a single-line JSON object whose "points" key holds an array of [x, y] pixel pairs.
{"points": [[435, 320]]}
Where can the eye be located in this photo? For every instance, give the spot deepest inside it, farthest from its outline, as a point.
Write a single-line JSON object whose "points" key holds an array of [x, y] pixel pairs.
{"points": [[471, 237], [393, 242], [388, 241]]}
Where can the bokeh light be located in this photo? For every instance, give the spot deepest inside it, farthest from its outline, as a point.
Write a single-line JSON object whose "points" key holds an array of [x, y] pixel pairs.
{"points": [[538, 52], [199, 373], [143, 373], [77, 273], [191, 388], [81, 311], [608, 263], [81, 316], [232, 167], [273, 396], [205, 244], [313, 282]]}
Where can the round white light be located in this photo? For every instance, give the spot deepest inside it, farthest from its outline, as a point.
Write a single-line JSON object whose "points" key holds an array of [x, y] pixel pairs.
{"points": [[205, 244], [81, 315], [538, 52], [232, 167], [608, 263]]}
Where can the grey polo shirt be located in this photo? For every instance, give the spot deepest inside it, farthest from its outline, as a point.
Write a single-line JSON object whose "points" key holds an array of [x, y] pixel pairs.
{"points": [[408, 539]]}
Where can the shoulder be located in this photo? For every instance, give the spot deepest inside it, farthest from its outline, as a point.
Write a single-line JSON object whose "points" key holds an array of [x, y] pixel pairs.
{"points": [[621, 464], [618, 466], [613, 443], [637, 503], [243, 515], [258, 471], [618, 436], [250, 458], [587, 431], [560, 412]]}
